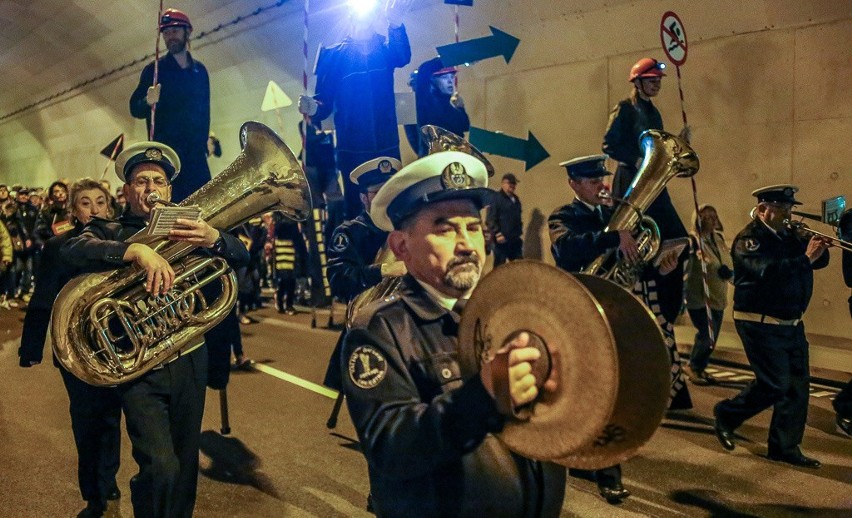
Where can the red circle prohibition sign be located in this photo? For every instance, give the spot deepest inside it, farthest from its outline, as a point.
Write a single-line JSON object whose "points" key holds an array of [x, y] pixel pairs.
{"points": [[673, 38]]}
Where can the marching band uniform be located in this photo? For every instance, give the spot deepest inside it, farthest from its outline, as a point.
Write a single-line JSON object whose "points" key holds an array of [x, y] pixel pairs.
{"points": [[425, 427], [164, 407], [355, 246], [773, 283], [289, 261], [577, 238]]}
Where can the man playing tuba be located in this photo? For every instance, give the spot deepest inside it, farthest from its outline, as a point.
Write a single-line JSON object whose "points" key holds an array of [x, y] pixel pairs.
{"points": [[164, 407], [578, 236]]}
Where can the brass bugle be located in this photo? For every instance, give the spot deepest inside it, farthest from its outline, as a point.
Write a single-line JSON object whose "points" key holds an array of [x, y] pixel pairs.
{"points": [[835, 241]]}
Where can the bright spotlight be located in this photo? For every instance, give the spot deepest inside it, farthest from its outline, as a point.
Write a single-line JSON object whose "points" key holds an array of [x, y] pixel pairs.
{"points": [[362, 7]]}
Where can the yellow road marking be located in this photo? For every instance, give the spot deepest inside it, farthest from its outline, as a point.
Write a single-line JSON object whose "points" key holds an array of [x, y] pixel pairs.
{"points": [[295, 380]]}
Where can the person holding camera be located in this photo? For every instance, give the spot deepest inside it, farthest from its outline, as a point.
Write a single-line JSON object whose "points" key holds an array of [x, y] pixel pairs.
{"points": [[708, 230]]}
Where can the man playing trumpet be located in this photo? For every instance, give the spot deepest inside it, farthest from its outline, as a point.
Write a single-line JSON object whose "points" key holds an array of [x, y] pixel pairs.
{"points": [[773, 282]]}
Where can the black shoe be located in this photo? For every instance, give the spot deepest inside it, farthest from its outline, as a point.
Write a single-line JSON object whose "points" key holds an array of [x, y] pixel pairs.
{"points": [[723, 433], [92, 510], [796, 459], [844, 424], [613, 492], [114, 494], [290, 311]]}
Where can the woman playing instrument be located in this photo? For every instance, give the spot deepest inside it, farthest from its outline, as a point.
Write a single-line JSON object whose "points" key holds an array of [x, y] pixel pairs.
{"points": [[95, 411]]}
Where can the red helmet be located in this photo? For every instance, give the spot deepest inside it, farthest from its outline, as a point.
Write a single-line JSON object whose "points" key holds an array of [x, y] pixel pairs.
{"points": [[174, 18], [445, 70], [647, 67]]}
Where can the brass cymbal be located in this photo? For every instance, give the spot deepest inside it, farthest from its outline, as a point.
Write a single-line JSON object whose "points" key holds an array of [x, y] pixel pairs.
{"points": [[533, 296], [643, 383], [608, 355]]}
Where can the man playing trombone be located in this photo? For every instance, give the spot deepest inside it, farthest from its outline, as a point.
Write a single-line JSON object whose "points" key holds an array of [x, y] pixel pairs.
{"points": [[773, 283]]}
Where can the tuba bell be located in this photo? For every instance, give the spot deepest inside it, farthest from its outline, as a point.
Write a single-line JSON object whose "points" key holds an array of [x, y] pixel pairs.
{"points": [[108, 330], [666, 156], [437, 139]]}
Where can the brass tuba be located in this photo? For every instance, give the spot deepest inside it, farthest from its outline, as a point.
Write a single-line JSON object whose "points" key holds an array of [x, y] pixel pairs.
{"points": [[437, 139], [666, 156], [108, 330]]}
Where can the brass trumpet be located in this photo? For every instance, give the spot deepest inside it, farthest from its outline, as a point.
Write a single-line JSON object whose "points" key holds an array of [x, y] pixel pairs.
{"points": [[798, 226]]}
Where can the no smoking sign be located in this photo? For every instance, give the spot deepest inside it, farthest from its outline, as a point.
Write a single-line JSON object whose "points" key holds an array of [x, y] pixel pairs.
{"points": [[673, 37]]}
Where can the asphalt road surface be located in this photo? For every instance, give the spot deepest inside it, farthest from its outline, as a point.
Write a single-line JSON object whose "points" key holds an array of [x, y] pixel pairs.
{"points": [[281, 460]]}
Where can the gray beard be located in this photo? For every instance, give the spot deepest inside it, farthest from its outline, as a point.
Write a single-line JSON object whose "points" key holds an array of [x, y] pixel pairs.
{"points": [[462, 277]]}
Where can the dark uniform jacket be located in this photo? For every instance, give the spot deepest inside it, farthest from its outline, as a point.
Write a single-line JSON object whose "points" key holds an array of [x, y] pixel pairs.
{"points": [[356, 79], [353, 250], [53, 273], [577, 237], [772, 274], [426, 427], [183, 118], [504, 216], [101, 245], [626, 122]]}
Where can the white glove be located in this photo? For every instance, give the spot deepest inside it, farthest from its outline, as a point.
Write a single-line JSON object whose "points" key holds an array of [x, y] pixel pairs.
{"points": [[395, 11], [307, 105], [153, 95]]}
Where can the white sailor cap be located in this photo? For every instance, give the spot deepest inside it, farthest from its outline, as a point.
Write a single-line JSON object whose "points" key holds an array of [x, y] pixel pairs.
{"points": [[447, 175], [147, 152]]}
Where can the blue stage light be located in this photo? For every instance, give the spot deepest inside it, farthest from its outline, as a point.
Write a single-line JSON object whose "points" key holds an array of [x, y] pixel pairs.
{"points": [[362, 7]]}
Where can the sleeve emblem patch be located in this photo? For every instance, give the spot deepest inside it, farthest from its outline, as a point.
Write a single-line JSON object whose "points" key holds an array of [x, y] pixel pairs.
{"points": [[367, 367], [751, 244]]}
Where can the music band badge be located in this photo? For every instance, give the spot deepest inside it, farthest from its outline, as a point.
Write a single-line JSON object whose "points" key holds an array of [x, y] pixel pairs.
{"points": [[455, 176], [340, 242], [367, 367], [751, 244]]}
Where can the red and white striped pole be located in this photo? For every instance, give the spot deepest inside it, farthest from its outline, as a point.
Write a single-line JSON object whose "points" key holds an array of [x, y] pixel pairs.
{"points": [[700, 239], [156, 70], [304, 131]]}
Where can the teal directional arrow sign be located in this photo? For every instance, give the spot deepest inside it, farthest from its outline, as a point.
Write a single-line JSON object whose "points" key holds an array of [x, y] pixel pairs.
{"points": [[498, 44], [530, 151]]}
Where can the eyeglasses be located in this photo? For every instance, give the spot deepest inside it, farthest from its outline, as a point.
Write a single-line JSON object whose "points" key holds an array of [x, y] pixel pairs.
{"points": [[144, 181]]}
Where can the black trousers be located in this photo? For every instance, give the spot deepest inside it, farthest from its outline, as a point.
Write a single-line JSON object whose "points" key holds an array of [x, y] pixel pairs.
{"points": [[843, 402], [779, 357], [96, 424], [508, 251], [163, 411], [285, 290]]}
